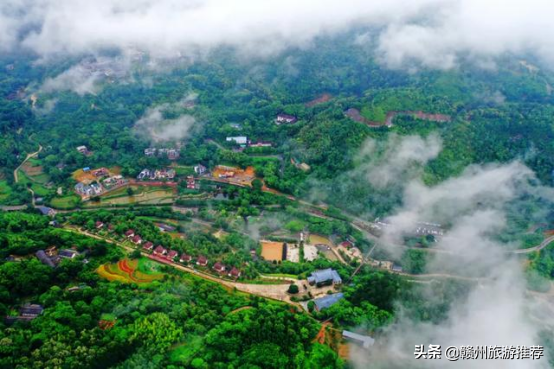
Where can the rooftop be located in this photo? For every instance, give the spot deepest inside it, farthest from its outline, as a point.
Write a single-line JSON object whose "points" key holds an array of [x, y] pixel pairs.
{"points": [[327, 301], [364, 340], [321, 276]]}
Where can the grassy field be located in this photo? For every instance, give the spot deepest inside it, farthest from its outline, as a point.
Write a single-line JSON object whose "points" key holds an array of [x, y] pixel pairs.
{"points": [[33, 170], [39, 189], [66, 202], [183, 170], [142, 195], [140, 271]]}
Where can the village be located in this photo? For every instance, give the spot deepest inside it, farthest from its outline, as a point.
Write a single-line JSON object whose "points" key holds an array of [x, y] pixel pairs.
{"points": [[314, 292]]}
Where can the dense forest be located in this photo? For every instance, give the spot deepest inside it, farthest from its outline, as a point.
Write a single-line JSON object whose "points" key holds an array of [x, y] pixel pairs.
{"points": [[308, 193]]}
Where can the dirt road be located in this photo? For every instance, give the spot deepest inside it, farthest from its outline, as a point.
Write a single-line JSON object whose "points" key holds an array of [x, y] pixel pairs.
{"points": [[273, 291], [29, 156]]}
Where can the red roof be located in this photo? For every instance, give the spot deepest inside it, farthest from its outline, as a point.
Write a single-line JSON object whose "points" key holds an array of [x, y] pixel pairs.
{"points": [[347, 244], [201, 260], [185, 257], [148, 245], [234, 272], [130, 232], [99, 224], [172, 254], [160, 250], [219, 267], [137, 239]]}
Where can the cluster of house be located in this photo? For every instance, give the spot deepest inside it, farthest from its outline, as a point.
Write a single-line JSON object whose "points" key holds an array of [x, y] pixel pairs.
{"points": [[113, 181], [170, 153], [243, 142], [90, 190], [350, 249], [191, 183], [147, 174], [52, 257], [27, 312], [171, 255], [84, 150], [285, 118]]}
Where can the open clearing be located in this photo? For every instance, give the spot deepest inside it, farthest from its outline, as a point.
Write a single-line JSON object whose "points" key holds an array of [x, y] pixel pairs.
{"points": [[272, 251], [319, 100], [143, 195], [319, 239], [67, 202], [84, 177], [130, 271], [38, 188], [235, 174]]}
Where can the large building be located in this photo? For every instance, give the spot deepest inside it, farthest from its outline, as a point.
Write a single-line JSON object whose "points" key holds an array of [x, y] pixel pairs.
{"points": [[364, 340], [324, 277], [327, 301]]}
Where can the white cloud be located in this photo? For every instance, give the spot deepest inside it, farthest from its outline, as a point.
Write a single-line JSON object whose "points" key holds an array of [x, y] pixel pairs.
{"points": [[433, 33], [156, 127], [400, 158], [497, 310]]}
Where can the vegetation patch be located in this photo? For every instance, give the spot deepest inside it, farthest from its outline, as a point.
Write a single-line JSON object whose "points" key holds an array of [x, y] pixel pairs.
{"points": [[5, 191], [67, 202], [129, 271]]}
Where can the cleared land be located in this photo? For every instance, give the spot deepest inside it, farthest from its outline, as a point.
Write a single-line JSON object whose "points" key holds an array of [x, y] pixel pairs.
{"points": [[235, 174], [130, 271], [142, 195], [67, 202], [319, 239], [319, 100], [272, 251]]}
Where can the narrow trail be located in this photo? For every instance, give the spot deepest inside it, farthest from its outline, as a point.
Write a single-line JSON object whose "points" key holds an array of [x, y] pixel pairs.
{"points": [[29, 156]]}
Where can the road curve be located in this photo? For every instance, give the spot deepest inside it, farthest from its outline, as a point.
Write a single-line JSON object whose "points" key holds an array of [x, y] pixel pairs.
{"points": [[536, 248]]}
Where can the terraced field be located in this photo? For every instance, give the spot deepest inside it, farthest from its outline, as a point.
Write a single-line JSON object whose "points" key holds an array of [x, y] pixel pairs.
{"points": [[143, 195], [129, 271]]}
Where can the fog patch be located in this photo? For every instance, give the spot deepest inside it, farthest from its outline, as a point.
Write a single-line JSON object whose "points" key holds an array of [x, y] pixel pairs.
{"points": [[397, 158], [154, 126], [472, 208], [46, 108]]}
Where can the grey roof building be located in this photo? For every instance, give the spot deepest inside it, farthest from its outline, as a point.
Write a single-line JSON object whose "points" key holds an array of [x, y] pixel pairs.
{"points": [[47, 211], [41, 255], [322, 277], [364, 340], [327, 301]]}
